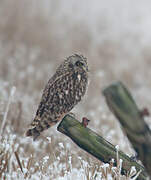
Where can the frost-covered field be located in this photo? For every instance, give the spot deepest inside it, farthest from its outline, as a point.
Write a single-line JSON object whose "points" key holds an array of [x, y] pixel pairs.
{"points": [[35, 36]]}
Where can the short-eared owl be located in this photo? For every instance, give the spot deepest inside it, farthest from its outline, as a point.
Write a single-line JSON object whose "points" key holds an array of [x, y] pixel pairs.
{"points": [[62, 92]]}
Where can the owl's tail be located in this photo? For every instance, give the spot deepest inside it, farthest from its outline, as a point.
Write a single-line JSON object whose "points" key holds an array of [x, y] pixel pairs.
{"points": [[35, 131]]}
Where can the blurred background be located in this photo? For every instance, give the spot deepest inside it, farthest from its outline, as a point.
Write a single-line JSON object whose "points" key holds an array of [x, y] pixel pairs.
{"points": [[36, 36]]}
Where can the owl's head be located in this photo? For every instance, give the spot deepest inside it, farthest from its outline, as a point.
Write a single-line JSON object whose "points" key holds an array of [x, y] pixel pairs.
{"points": [[77, 63]]}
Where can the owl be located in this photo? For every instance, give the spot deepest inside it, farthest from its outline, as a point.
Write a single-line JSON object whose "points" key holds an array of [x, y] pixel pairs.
{"points": [[62, 92]]}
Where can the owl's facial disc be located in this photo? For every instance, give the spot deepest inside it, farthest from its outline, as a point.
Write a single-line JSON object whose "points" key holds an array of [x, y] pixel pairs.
{"points": [[78, 63]]}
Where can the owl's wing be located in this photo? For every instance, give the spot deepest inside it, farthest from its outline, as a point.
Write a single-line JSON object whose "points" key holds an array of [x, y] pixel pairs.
{"points": [[47, 96], [52, 85], [60, 73]]}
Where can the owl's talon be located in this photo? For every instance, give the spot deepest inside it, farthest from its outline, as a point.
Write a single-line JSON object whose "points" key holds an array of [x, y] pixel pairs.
{"points": [[85, 122]]}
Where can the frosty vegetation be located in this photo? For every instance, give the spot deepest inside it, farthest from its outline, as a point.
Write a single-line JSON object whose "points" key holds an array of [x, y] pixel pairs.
{"points": [[35, 36]]}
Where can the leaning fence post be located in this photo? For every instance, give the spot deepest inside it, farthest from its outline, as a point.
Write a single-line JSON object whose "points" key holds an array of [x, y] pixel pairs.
{"points": [[96, 145], [122, 104]]}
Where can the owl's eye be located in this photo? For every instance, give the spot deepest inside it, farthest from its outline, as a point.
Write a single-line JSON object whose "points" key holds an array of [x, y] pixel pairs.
{"points": [[79, 63]]}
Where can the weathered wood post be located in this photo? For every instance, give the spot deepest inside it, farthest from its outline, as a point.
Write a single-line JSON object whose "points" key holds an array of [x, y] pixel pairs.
{"points": [[122, 104], [96, 145]]}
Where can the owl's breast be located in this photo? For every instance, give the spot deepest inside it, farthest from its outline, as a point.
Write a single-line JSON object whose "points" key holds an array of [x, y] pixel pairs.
{"points": [[79, 84]]}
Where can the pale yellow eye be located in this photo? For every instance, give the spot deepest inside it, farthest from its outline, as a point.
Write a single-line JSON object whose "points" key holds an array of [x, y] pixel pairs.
{"points": [[79, 63]]}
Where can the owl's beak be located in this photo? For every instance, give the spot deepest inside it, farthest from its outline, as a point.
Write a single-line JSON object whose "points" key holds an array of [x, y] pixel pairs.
{"points": [[85, 68]]}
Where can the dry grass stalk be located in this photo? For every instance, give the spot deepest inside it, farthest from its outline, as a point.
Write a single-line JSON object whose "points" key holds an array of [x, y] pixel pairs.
{"points": [[6, 111], [4, 163], [18, 161]]}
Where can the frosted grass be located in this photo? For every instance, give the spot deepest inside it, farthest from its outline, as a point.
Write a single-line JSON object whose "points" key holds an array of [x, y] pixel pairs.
{"points": [[6, 111], [114, 36]]}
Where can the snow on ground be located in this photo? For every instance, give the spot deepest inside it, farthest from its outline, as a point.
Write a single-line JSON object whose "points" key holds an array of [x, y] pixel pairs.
{"points": [[35, 36]]}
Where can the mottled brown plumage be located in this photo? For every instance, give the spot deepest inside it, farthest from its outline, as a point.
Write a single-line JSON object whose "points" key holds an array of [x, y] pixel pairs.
{"points": [[62, 92]]}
